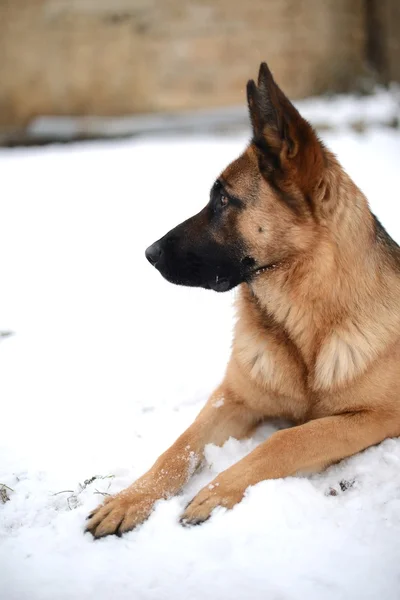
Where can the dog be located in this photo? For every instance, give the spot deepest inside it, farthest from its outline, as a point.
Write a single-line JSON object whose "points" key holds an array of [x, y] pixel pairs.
{"points": [[317, 339]]}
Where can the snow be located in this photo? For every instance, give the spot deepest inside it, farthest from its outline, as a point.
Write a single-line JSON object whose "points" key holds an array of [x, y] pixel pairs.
{"points": [[337, 111], [109, 363], [219, 401]]}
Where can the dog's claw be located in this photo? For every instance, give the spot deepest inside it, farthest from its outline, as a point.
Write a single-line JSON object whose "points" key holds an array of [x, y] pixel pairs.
{"points": [[186, 522]]}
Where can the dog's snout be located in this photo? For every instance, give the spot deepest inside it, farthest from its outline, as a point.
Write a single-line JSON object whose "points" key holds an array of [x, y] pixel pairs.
{"points": [[153, 253]]}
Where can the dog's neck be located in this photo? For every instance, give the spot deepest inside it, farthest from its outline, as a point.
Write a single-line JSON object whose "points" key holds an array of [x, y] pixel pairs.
{"points": [[347, 282]]}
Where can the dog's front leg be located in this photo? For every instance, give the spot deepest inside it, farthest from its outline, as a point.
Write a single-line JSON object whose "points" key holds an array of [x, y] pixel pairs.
{"points": [[222, 417], [309, 447]]}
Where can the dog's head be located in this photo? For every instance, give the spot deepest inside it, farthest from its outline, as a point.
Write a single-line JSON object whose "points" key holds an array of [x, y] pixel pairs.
{"points": [[262, 207]]}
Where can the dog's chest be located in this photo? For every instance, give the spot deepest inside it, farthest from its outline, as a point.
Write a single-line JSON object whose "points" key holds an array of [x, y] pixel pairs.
{"points": [[273, 367], [277, 366]]}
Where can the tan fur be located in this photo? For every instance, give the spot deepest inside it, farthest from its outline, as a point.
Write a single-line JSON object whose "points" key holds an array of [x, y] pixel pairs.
{"points": [[317, 338]]}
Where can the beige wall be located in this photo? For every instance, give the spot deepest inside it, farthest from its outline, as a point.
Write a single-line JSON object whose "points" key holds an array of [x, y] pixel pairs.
{"points": [[391, 37], [111, 57]]}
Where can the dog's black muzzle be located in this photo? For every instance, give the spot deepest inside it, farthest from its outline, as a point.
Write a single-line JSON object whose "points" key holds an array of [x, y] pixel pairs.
{"points": [[188, 255]]}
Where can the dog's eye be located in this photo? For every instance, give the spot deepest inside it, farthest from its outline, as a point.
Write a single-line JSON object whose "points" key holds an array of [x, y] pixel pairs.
{"points": [[224, 200]]}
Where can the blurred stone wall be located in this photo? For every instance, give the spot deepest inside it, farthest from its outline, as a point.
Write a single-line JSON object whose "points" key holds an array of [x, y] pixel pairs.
{"points": [[389, 11], [112, 57]]}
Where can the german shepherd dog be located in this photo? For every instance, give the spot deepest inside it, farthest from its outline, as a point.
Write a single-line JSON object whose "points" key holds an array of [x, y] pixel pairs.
{"points": [[317, 340]]}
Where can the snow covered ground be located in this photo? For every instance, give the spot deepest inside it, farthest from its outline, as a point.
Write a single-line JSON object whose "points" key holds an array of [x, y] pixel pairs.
{"points": [[109, 363]]}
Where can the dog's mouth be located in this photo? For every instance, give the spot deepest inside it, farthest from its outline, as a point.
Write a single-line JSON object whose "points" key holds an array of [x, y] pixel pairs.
{"points": [[260, 270], [223, 284], [219, 282], [210, 267]]}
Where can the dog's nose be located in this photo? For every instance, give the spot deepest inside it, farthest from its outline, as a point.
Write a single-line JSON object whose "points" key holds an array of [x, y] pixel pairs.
{"points": [[153, 253]]}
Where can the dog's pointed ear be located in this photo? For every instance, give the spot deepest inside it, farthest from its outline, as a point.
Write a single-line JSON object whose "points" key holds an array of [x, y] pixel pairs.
{"points": [[275, 121], [282, 138]]}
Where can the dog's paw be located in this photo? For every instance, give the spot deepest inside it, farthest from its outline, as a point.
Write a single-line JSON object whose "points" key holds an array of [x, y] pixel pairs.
{"points": [[209, 498], [119, 514]]}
